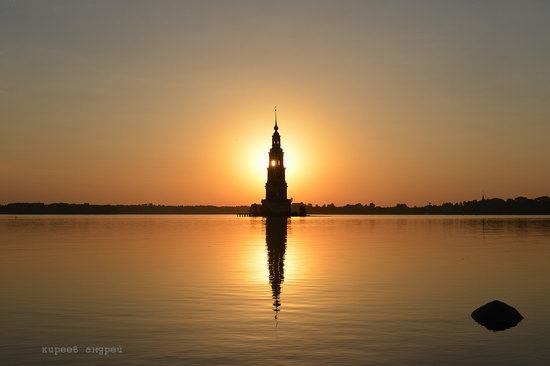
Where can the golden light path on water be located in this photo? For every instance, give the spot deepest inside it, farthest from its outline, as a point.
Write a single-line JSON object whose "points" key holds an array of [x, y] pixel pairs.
{"points": [[297, 259]]}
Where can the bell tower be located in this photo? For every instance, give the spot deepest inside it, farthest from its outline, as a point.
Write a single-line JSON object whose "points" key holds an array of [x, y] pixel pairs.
{"points": [[276, 202]]}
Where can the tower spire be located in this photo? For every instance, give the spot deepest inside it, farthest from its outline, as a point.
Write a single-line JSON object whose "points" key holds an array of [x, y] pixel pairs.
{"points": [[276, 127]]}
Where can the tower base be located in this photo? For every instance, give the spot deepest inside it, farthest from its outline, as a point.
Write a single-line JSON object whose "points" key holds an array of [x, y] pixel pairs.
{"points": [[276, 208]]}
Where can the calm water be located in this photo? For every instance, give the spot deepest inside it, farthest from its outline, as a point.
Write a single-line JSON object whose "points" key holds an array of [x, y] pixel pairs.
{"points": [[223, 290]]}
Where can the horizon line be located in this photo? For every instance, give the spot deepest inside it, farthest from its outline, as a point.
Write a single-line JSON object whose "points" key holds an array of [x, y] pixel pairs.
{"points": [[247, 205]]}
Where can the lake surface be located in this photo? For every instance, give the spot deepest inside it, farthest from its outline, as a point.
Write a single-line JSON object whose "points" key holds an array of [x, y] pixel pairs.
{"points": [[226, 290]]}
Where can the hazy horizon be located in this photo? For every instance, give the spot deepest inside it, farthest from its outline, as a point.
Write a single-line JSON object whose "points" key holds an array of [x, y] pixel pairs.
{"points": [[172, 102], [297, 202]]}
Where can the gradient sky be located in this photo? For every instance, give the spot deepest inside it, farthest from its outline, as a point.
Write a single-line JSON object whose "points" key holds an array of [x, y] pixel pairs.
{"points": [[172, 101]]}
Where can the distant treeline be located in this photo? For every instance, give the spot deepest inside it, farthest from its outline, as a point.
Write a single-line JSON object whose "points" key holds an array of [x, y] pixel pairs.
{"points": [[493, 206], [89, 209]]}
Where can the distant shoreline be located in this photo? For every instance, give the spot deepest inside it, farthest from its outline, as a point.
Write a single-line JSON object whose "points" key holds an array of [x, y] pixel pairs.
{"points": [[493, 206]]}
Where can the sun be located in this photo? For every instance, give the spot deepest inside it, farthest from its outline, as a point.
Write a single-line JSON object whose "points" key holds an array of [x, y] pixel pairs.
{"points": [[250, 170], [260, 161]]}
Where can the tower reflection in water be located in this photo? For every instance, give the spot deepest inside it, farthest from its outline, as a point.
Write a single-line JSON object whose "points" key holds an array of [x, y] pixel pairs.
{"points": [[275, 238]]}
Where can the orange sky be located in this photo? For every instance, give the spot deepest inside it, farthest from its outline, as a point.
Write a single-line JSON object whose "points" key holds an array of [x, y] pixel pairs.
{"points": [[172, 103]]}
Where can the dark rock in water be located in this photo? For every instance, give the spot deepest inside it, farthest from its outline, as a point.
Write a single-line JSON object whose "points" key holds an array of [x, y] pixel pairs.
{"points": [[497, 315]]}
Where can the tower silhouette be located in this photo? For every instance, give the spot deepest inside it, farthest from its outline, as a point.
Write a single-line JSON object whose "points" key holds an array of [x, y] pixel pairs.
{"points": [[276, 202]]}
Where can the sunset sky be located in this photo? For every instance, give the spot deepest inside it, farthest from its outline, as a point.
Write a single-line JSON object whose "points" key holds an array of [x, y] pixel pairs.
{"points": [[171, 102]]}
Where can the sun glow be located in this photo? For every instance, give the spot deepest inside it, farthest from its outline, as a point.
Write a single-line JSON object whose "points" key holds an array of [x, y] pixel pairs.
{"points": [[249, 172], [259, 161]]}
